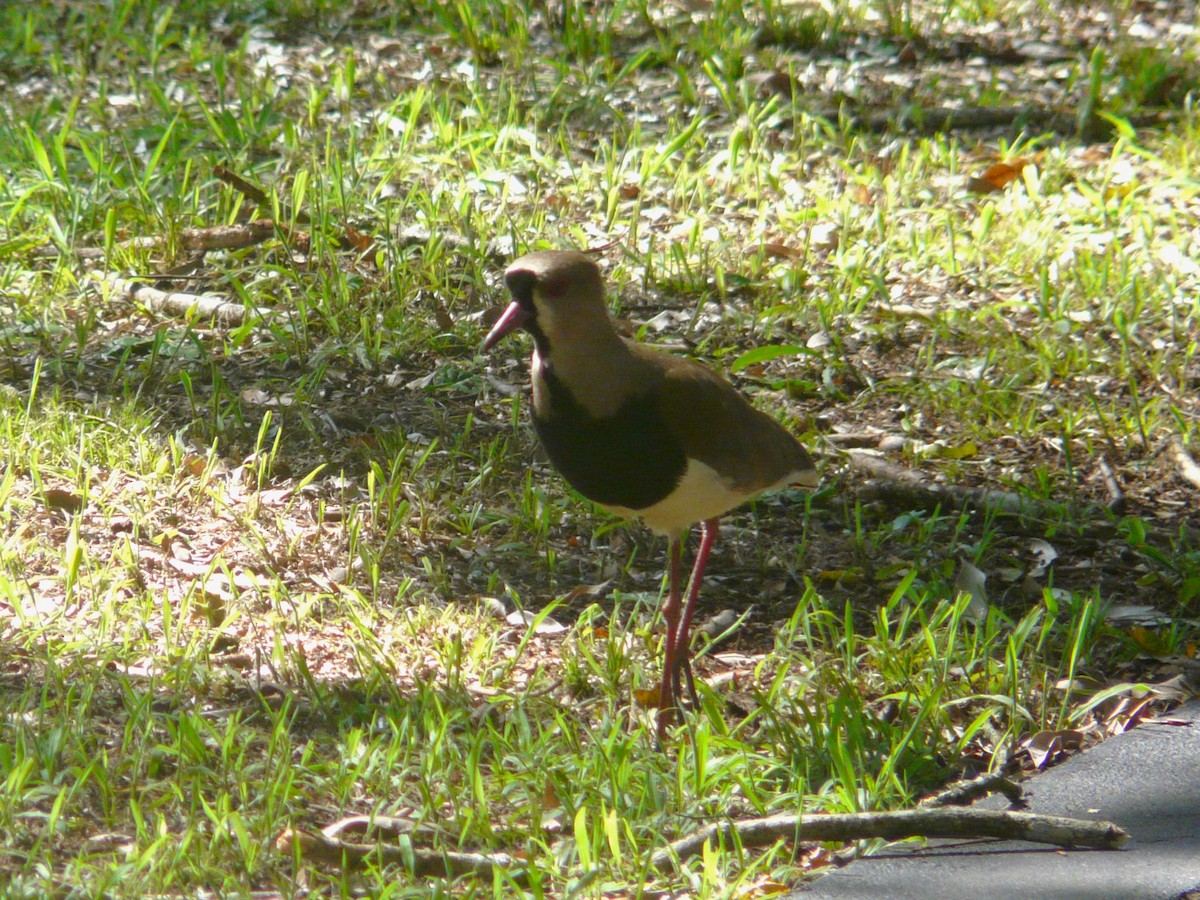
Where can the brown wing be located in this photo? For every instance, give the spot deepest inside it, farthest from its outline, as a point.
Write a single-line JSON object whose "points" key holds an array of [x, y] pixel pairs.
{"points": [[717, 426]]}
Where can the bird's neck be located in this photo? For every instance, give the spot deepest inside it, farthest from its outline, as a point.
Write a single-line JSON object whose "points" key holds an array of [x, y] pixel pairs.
{"points": [[598, 370]]}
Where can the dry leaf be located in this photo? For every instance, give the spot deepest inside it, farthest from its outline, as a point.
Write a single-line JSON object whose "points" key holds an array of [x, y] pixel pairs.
{"points": [[646, 698], [66, 501], [996, 177], [1045, 746], [824, 236], [780, 250], [525, 618], [970, 580], [765, 888], [587, 590], [359, 240], [841, 576], [1135, 614], [1043, 554], [769, 83], [194, 464]]}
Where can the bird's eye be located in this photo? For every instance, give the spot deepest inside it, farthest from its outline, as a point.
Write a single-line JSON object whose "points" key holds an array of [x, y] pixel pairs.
{"points": [[555, 286]]}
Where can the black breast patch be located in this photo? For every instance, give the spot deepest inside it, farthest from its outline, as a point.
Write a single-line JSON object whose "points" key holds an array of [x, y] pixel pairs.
{"points": [[628, 459]]}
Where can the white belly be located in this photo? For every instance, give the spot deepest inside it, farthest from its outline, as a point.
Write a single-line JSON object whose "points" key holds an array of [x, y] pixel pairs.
{"points": [[701, 494]]}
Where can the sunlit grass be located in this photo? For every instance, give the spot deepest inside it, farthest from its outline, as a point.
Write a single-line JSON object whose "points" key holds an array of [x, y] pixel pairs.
{"points": [[249, 575]]}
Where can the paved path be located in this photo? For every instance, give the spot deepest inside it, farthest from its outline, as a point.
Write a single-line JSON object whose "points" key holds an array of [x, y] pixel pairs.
{"points": [[1146, 780]]}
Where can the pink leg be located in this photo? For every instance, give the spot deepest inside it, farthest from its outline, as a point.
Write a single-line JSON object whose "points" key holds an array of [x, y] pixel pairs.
{"points": [[671, 613], [708, 536], [679, 622]]}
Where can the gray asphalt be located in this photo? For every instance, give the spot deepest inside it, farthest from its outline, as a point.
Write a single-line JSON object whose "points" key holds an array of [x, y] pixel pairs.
{"points": [[1146, 780]]}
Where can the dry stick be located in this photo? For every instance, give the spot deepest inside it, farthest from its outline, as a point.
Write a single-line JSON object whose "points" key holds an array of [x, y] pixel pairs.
{"points": [[967, 791], [251, 191], [854, 440], [219, 237], [892, 826], [320, 848], [911, 487], [1189, 470], [1116, 496], [898, 485], [208, 306]]}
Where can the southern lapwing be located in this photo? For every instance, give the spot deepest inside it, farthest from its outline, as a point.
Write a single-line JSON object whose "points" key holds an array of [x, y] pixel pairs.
{"points": [[639, 432]]}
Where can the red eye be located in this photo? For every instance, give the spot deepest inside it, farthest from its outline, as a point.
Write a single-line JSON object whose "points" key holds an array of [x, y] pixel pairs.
{"points": [[555, 286]]}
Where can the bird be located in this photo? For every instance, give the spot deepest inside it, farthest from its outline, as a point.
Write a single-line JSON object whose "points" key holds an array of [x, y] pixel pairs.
{"points": [[642, 433]]}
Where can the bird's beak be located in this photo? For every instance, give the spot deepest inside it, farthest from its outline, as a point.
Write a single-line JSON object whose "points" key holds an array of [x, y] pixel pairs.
{"points": [[513, 318]]}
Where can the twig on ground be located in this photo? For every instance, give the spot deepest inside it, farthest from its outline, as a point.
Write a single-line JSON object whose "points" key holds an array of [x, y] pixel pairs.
{"points": [[945, 822], [1116, 496], [909, 486], [855, 440], [319, 847], [971, 789], [219, 237], [251, 192], [228, 237], [208, 306], [1189, 469]]}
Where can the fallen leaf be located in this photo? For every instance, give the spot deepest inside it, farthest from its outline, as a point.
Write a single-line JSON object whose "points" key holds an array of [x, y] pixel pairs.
{"points": [[942, 450], [824, 236], [360, 241], [646, 698], [1043, 554], [841, 576], [1135, 614], [1148, 640], [526, 618], [769, 83], [194, 464], [1045, 746], [587, 590], [780, 250], [907, 311], [970, 580], [718, 624], [65, 501], [997, 176], [765, 888]]}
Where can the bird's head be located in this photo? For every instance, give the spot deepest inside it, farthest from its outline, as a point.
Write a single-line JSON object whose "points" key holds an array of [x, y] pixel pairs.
{"points": [[557, 296]]}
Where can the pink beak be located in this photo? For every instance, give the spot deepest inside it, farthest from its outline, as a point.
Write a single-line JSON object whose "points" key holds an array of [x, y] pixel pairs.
{"points": [[513, 318]]}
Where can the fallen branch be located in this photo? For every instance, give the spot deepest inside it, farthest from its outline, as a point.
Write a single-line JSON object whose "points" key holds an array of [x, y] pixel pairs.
{"points": [[931, 823], [1189, 470], [1116, 501], [319, 847], [250, 191], [201, 240], [854, 440], [911, 487], [969, 790], [224, 237], [207, 306]]}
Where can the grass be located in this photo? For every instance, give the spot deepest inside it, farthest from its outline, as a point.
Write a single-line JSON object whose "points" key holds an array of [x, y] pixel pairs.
{"points": [[249, 573]]}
